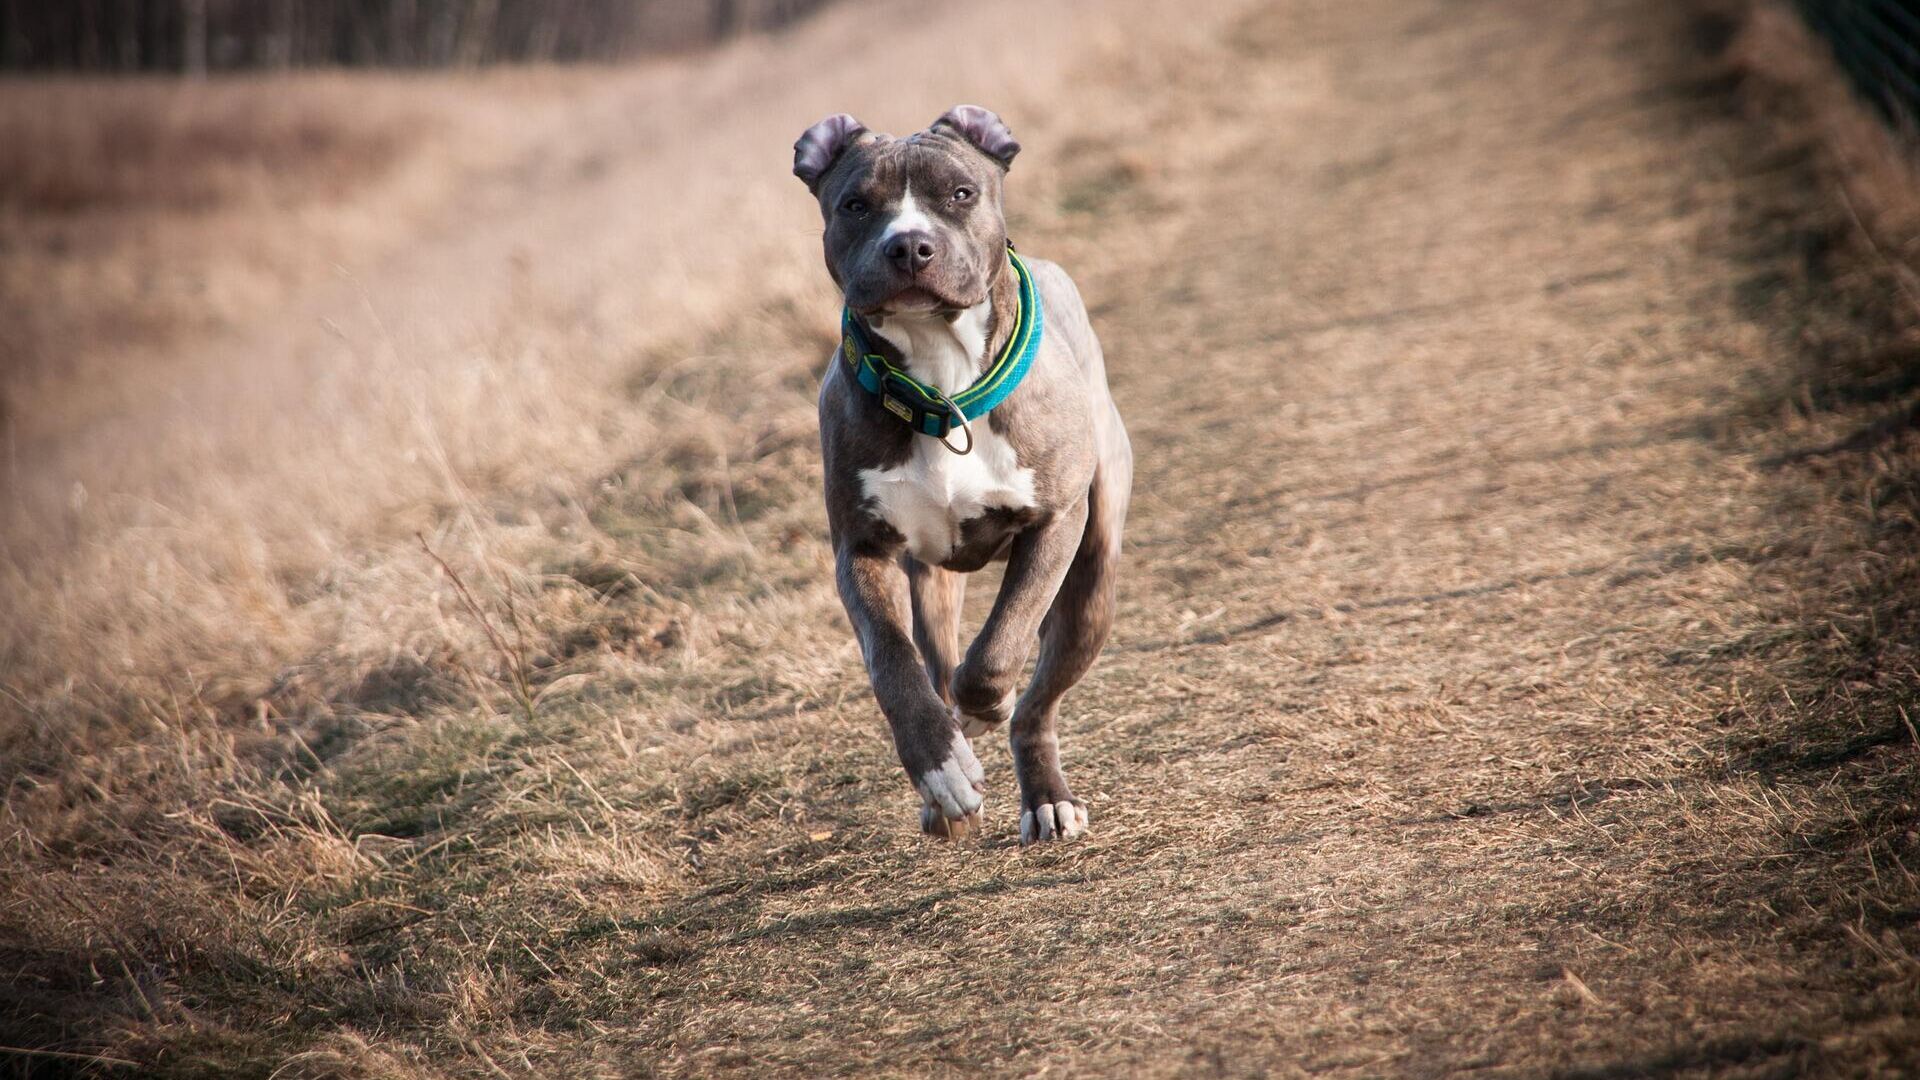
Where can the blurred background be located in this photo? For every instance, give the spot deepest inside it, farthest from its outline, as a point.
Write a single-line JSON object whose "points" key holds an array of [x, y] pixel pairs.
{"points": [[194, 37], [418, 649]]}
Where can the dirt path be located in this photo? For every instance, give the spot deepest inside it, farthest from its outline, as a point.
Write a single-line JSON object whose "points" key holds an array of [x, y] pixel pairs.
{"points": [[1471, 708], [1497, 690]]}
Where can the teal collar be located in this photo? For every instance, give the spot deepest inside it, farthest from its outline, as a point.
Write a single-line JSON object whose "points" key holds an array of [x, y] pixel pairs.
{"points": [[924, 408]]}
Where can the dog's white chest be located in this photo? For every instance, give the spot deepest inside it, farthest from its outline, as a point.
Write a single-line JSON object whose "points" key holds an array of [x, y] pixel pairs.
{"points": [[934, 492], [931, 495]]}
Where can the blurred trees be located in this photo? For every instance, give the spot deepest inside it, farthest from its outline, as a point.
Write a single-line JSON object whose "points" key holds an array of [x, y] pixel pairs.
{"points": [[1878, 45], [196, 36]]}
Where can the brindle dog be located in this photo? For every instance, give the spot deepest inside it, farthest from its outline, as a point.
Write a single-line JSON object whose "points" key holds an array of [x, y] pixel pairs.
{"points": [[917, 241]]}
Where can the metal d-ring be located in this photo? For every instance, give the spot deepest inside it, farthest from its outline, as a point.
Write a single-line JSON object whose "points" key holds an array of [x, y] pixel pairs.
{"points": [[965, 424]]}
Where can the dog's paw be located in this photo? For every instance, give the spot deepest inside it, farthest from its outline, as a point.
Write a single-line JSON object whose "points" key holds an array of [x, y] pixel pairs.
{"points": [[975, 724], [952, 793], [985, 697], [1061, 819]]}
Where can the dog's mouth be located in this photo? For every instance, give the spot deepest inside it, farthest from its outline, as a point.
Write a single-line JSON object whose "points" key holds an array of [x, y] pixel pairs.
{"points": [[912, 300]]}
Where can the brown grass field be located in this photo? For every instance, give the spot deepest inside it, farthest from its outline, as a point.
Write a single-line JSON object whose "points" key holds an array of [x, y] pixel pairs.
{"points": [[1519, 664]]}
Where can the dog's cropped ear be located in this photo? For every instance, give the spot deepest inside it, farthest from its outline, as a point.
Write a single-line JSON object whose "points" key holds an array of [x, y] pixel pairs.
{"points": [[983, 129], [817, 150]]}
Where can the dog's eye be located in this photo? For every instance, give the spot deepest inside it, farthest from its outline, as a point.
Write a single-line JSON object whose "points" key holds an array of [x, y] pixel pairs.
{"points": [[854, 205], [962, 194]]}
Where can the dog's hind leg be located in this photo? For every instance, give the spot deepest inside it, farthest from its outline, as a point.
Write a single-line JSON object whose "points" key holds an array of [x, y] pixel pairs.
{"points": [[937, 595], [1071, 637]]}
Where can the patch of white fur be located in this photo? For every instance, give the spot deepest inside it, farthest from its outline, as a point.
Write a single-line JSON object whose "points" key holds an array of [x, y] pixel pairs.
{"points": [[1052, 821], [908, 218], [934, 492], [951, 789], [930, 495], [943, 354], [973, 727]]}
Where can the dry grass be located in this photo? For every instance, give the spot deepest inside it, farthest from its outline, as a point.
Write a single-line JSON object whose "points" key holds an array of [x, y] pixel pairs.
{"points": [[1519, 677], [83, 147], [141, 214]]}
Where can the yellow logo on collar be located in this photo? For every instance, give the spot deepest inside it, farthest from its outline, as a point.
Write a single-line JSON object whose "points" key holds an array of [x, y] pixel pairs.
{"points": [[898, 408], [850, 351]]}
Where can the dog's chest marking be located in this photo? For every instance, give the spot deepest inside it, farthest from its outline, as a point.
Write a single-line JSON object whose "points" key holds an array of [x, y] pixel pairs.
{"points": [[934, 492]]}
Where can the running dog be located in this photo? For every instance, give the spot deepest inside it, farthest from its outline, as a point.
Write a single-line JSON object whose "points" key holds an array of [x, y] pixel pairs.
{"points": [[965, 419]]}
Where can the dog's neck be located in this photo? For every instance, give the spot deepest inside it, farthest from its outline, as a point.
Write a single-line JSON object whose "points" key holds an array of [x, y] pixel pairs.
{"points": [[949, 350]]}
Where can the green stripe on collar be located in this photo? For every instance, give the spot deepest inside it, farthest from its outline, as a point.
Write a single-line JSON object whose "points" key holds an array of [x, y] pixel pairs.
{"points": [[926, 409]]}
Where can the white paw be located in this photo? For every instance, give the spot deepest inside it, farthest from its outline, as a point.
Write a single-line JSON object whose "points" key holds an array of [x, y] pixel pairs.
{"points": [[973, 726], [1052, 821], [951, 795]]}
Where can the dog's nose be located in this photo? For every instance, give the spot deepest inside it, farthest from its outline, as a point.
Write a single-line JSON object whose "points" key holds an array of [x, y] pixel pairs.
{"points": [[911, 251]]}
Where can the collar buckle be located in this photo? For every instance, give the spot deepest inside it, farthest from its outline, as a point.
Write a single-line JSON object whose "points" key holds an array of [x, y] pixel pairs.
{"points": [[925, 409]]}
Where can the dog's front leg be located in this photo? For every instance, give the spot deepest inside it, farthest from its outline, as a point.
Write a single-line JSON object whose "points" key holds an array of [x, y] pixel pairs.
{"points": [[926, 734], [983, 684]]}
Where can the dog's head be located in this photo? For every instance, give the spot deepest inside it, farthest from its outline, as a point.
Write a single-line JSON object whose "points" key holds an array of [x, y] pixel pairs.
{"points": [[913, 224]]}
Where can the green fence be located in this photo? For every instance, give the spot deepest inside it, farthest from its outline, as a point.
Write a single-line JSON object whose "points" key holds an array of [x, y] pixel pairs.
{"points": [[1878, 44]]}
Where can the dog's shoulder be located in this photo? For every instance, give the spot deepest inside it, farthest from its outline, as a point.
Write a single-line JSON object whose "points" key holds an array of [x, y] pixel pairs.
{"points": [[1056, 286], [1066, 312], [853, 434]]}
